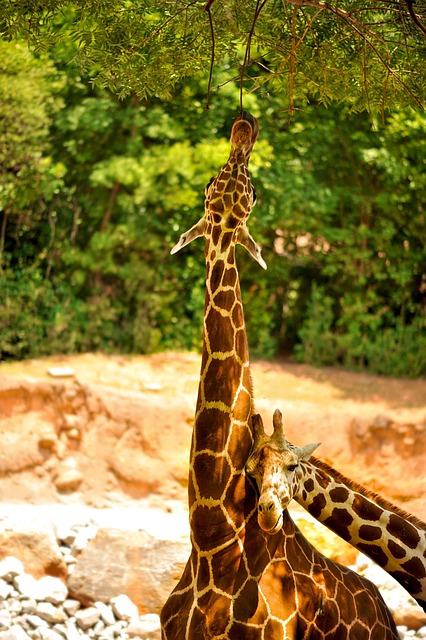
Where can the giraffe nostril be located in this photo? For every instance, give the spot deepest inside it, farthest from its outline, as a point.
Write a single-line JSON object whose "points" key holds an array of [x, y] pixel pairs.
{"points": [[270, 506]]}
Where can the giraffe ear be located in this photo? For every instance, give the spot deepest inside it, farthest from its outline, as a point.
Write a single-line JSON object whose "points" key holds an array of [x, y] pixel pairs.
{"points": [[246, 240], [194, 232], [305, 452]]}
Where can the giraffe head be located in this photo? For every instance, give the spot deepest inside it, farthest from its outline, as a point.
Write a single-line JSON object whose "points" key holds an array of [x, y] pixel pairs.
{"points": [[273, 464], [230, 196]]}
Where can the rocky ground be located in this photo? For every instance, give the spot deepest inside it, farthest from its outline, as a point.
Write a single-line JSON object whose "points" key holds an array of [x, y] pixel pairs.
{"points": [[93, 470]]}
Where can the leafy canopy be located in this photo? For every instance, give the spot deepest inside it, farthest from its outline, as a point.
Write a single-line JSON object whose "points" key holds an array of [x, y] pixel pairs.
{"points": [[370, 55]]}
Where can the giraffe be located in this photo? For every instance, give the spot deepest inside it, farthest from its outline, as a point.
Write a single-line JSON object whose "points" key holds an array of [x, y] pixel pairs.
{"points": [[394, 539], [240, 582]]}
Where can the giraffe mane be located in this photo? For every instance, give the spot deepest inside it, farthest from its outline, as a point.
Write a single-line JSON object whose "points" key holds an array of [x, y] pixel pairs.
{"points": [[375, 497]]}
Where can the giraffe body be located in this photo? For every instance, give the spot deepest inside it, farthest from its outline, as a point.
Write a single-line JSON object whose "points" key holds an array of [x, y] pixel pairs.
{"points": [[240, 582]]}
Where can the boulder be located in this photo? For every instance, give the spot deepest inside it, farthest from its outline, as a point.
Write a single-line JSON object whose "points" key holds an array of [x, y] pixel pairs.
{"points": [[34, 543], [128, 562]]}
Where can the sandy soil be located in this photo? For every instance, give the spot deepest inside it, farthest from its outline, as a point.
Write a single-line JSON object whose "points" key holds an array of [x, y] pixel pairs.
{"points": [[371, 428]]}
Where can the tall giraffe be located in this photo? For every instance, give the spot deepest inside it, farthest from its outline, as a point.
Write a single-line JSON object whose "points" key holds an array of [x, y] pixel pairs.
{"points": [[240, 583], [391, 537]]}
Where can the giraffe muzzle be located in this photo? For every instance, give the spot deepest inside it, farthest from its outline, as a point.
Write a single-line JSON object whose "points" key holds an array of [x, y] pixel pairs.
{"points": [[269, 515]]}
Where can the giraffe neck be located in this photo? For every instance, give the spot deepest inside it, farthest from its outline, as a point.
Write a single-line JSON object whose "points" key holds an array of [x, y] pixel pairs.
{"points": [[218, 489], [389, 536]]}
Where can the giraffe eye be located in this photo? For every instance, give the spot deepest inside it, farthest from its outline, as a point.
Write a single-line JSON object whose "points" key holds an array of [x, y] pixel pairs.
{"points": [[292, 467]]}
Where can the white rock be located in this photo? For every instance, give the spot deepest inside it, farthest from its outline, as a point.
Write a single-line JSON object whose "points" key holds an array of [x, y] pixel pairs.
{"points": [[5, 589], [99, 627], [10, 567], [54, 590], [14, 633], [50, 634], [107, 615], [5, 620], [27, 586], [35, 621], [146, 625], [28, 606], [87, 618], [72, 631], [50, 613], [71, 606], [124, 608]]}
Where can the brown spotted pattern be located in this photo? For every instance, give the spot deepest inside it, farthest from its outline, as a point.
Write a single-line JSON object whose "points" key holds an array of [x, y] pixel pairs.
{"points": [[392, 538], [239, 582]]}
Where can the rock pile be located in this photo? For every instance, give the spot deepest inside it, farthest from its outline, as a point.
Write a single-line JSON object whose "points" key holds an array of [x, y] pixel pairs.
{"points": [[41, 609]]}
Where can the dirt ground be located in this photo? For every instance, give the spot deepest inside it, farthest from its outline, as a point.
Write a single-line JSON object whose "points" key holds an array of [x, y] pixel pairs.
{"points": [[120, 427]]}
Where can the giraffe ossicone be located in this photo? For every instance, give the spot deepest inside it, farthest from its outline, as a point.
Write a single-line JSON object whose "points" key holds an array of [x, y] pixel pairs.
{"points": [[394, 539]]}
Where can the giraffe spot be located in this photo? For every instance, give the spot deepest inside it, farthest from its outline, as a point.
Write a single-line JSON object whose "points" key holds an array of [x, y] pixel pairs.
{"points": [[238, 211], [374, 552], [400, 528], [227, 200], [339, 521], [227, 239], [347, 607], [212, 439], [340, 494], [223, 300], [230, 187], [203, 573], [396, 550], [217, 611], [238, 316], [230, 277], [241, 346], [209, 527], [364, 602], [239, 500], [410, 583], [317, 505], [216, 232], [246, 603], [323, 479], [309, 485], [244, 202], [368, 532], [304, 495], [415, 566], [223, 380], [274, 629], [239, 445], [212, 473], [220, 331], [216, 206], [240, 186], [366, 509]]}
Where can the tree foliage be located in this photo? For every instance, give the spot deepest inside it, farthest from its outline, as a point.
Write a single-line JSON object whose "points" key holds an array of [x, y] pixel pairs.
{"points": [[369, 55], [106, 146]]}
